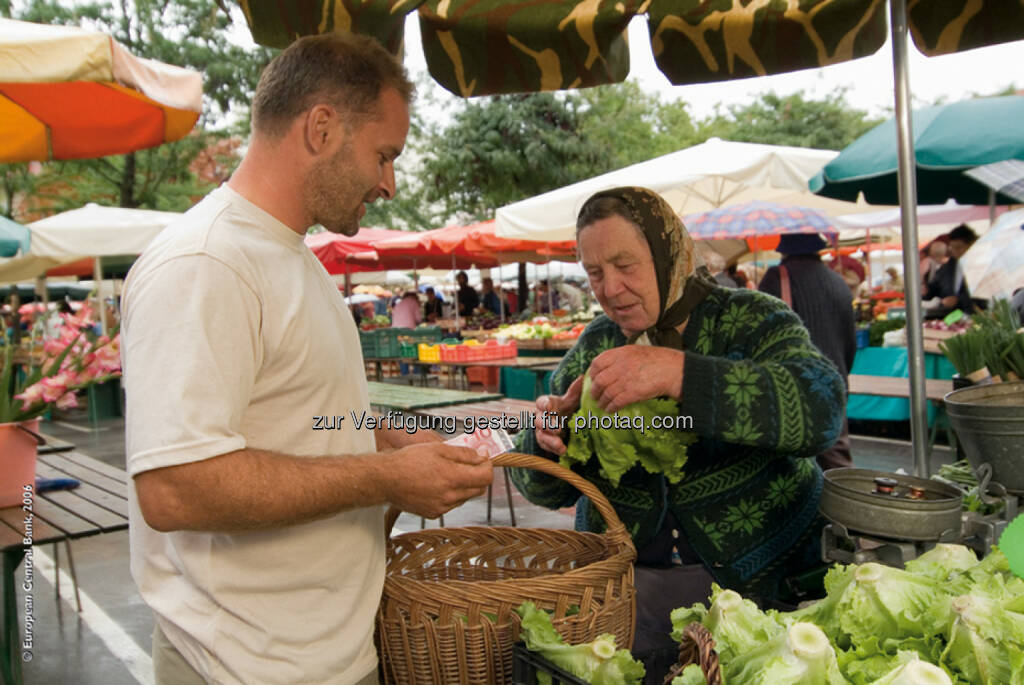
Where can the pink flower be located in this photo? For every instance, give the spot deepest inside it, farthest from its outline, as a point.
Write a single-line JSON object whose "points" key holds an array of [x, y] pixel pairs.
{"points": [[67, 401], [31, 395], [57, 385], [83, 319], [109, 358]]}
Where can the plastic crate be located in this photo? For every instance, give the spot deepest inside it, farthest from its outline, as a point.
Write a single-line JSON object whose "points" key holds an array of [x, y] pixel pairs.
{"points": [[407, 350], [427, 334], [381, 342], [518, 384], [488, 376], [429, 353], [526, 665]]}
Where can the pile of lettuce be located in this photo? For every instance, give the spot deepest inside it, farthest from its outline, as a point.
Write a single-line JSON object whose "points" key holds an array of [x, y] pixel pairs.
{"points": [[628, 439], [599, 662], [946, 619]]}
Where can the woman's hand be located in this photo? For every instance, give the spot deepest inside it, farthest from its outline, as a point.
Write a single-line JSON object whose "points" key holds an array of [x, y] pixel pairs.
{"points": [[549, 413], [633, 373]]}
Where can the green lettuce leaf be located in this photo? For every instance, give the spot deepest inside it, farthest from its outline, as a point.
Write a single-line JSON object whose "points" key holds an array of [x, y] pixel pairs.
{"points": [[628, 440], [942, 561], [691, 675], [800, 655], [599, 662]]}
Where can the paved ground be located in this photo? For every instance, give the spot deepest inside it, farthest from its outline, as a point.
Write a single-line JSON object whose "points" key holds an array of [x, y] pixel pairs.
{"points": [[108, 643]]}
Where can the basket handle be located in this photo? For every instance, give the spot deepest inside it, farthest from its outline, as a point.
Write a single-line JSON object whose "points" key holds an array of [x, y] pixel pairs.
{"points": [[615, 529]]}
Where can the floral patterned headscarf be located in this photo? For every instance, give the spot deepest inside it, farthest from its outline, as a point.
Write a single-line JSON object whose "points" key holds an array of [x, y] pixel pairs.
{"points": [[683, 279]]}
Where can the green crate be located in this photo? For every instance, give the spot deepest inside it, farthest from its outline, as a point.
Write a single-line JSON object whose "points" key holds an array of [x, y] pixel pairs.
{"points": [[426, 334], [380, 342], [519, 384], [407, 349]]}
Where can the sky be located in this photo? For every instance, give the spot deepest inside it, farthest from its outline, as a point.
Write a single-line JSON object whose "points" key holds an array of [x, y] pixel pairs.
{"points": [[869, 79]]}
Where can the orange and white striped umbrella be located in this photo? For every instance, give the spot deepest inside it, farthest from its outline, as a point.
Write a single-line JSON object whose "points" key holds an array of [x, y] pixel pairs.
{"points": [[71, 93]]}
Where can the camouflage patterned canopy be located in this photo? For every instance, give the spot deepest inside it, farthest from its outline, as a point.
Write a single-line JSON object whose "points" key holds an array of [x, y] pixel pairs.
{"points": [[485, 47]]}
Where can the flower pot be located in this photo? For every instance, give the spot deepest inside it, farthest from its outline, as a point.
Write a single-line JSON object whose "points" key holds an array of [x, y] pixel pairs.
{"points": [[17, 461]]}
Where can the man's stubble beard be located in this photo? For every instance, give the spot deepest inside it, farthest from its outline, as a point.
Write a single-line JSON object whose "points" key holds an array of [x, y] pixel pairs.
{"points": [[325, 189]]}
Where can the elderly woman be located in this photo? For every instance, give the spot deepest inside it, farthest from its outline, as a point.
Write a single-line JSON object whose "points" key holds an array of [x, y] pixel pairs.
{"points": [[763, 401]]}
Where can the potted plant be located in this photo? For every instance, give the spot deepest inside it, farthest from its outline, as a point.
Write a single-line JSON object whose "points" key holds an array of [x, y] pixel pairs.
{"points": [[62, 355]]}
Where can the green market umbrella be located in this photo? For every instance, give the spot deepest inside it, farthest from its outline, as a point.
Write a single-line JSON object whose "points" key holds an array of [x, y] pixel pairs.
{"points": [[948, 139], [13, 237]]}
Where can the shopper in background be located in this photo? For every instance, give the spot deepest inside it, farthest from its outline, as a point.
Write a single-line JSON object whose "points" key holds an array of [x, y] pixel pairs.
{"points": [[822, 300], [490, 300], [406, 313], [467, 299], [433, 308], [933, 256], [948, 285]]}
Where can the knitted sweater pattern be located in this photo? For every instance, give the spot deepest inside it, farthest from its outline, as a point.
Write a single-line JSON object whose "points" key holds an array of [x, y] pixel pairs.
{"points": [[763, 401]]}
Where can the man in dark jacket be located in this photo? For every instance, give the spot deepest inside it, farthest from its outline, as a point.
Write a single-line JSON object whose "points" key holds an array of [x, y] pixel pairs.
{"points": [[822, 300], [949, 284]]}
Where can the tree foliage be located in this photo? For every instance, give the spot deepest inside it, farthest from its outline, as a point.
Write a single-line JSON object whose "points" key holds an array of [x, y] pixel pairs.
{"points": [[829, 123], [501, 149]]}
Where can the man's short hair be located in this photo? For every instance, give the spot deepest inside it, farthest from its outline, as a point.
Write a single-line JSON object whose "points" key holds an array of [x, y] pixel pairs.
{"points": [[344, 70], [964, 234]]}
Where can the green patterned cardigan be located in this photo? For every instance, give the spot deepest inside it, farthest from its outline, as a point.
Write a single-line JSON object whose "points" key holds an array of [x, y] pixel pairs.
{"points": [[764, 401]]}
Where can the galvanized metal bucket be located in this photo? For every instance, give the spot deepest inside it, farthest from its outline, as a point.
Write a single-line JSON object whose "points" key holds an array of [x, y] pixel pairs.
{"points": [[989, 422], [849, 499]]}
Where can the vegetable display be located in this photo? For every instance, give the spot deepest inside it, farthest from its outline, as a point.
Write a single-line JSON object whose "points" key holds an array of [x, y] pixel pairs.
{"points": [[946, 619], [599, 662], [626, 438]]}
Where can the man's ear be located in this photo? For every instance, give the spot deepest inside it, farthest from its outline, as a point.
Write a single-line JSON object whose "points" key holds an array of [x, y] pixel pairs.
{"points": [[319, 126]]}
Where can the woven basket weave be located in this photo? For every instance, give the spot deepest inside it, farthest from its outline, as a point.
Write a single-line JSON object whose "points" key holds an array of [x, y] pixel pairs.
{"points": [[697, 647], [447, 614]]}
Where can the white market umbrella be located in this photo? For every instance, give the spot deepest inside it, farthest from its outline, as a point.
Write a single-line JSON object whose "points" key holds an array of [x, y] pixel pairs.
{"points": [[699, 178], [994, 265]]}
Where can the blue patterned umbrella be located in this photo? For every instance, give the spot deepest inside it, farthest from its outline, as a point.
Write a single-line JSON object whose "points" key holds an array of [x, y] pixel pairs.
{"points": [[13, 237], [754, 219]]}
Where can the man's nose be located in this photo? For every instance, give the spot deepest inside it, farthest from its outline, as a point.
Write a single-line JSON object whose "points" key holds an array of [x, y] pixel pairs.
{"points": [[387, 184]]}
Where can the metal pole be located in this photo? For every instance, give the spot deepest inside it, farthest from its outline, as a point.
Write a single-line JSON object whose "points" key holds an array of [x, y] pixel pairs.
{"points": [[908, 205], [100, 309], [458, 326], [991, 206]]}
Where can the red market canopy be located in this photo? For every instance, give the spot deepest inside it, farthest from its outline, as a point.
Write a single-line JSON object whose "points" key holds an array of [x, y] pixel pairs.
{"points": [[420, 251], [481, 239], [338, 253], [462, 247]]}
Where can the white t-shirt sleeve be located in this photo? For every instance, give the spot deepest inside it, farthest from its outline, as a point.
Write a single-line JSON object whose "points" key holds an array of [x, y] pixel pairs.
{"points": [[191, 350]]}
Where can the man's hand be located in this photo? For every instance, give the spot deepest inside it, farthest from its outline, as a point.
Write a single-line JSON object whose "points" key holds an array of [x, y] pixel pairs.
{"points": [[430, 479], [950, 301], [634, 373], [549, 435]]}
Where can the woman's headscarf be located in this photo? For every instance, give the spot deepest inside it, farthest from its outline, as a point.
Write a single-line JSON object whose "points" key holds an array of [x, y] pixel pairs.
{"points": [[683, 280]]}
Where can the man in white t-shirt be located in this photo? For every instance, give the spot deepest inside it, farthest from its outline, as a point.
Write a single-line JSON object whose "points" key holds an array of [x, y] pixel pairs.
{"points": [[258, 490]]}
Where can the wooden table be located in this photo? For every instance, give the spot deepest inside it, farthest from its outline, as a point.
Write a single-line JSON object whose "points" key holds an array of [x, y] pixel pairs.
{"points": [[504, 407], [409, 398], [98, 505], [935, 389], [889, 386]]}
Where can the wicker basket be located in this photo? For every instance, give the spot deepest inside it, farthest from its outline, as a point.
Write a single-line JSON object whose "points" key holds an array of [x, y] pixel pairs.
{"points": [[447, 614], [697, 647]]}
